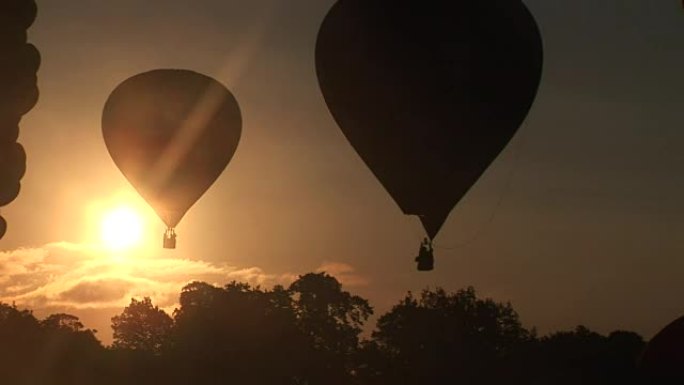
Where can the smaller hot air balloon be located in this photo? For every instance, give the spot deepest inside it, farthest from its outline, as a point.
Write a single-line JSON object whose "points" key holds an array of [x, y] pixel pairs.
{"points": [[171, 133]]}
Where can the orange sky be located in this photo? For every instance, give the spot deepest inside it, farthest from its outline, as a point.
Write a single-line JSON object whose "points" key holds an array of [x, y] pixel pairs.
{"points": [[578, 221]]}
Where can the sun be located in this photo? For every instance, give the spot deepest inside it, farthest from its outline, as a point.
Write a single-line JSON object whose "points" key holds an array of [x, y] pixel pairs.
{"points": [[121, 228]]}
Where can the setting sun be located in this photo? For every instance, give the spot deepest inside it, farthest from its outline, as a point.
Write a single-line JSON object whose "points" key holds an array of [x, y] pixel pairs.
{"points": [[121, 228]]}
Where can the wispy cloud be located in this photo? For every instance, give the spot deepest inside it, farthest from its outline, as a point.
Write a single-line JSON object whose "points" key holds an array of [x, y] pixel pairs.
{"points": [[93, 284], [74, 276], [77, 276], [344, 273]]}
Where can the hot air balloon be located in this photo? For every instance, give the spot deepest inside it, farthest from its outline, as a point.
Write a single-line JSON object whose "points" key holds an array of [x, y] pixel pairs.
{"points": [[429, 92], [171, 133]]}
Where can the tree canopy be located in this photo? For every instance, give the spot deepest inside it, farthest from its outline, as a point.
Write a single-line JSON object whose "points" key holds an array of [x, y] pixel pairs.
{"points": [[142, 326], [310, 333]]}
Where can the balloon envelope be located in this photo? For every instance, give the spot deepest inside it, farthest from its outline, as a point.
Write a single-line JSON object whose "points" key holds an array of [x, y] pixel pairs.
{"points": [[171, 133], [429, 92]]}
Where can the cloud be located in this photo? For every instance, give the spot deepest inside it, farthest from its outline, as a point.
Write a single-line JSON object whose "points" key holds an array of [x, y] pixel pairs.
{"points": [[344, 273], [97, 291], [68, 275], [91, 283]]}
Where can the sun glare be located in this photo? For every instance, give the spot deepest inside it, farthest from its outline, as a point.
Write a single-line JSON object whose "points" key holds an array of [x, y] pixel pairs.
{"points": [[121, 228]]}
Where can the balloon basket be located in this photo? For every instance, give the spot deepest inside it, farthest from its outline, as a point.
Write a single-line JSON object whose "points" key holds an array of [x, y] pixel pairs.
{"points": [[169, 239], [425, 258]]}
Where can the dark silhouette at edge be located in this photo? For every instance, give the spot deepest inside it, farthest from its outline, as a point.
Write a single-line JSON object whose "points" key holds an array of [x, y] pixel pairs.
{"points": [[18, 94]]}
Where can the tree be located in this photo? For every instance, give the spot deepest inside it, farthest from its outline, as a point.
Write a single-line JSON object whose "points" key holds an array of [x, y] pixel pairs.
{"points": [[20, 340], [442, 338], [54, 351], [62, 321], [74, 350], [142, 327], [239, 332], [584, 356], [332, 319]]}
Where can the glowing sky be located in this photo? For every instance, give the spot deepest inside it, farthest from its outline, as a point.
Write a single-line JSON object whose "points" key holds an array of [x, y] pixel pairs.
{"points": [[580, 220]]}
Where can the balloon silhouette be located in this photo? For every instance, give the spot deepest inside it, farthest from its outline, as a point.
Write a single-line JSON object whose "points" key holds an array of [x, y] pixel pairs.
{"points": [[171, 133], [429, 92]]}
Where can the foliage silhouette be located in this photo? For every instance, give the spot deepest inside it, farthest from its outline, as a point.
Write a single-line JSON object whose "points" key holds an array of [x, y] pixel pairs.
{"points": [[442, 338], [57, 350], [237, 332], [585, 357], [332, 320], [309, 333], [142, 326]]}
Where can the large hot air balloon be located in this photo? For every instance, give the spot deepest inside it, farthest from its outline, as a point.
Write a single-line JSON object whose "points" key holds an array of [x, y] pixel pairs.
{"points": [[429, 92], [171, 133]]}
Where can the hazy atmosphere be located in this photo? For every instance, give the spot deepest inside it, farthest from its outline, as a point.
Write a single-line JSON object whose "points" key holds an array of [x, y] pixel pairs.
{"points": [[579, 221]]}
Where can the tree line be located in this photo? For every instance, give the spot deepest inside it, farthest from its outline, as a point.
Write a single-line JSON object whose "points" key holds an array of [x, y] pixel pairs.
{"points": [[310, 333]]}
